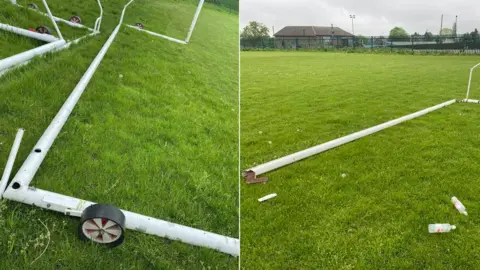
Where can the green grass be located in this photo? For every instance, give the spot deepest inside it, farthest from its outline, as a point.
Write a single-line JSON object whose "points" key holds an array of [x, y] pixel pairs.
{"points": [[397, 181], [160, 140]]}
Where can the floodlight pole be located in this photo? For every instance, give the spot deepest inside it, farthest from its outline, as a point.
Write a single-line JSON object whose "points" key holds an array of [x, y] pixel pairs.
{"points": [[441, 26], [353, 28], [456, 25]]}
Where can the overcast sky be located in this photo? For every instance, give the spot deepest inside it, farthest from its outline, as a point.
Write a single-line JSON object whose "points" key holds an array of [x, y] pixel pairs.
{"points": [[373, 17]]}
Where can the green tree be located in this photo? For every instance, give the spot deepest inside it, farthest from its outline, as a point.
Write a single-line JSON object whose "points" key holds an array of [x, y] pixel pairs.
{"points": [[446, 32], [360, 40], [398, 33], [254, 31], [380, 41], [475, 35], [428, 36]]}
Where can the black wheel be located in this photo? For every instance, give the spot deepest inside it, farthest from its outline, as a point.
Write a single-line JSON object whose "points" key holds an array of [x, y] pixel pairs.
{"points": [[102, 224], [32, 6], [76, 19], [139, 25], [43, 30]]}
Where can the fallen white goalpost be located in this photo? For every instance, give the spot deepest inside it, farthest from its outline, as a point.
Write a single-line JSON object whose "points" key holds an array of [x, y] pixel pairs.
{"points": [[73, 22], [100, 223], [139, 27], [251, 174], [54, 44]]}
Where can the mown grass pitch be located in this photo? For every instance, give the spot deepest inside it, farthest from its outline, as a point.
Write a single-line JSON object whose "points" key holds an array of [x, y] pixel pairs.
{"points": [[155, 132], [396, 181]]}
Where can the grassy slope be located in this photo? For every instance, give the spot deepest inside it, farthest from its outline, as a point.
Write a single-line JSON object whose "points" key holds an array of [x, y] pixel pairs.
{"points": [[398, 181], [160, 141]]}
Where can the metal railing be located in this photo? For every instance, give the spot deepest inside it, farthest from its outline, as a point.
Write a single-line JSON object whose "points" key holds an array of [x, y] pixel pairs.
{"points": [[452, 44]]}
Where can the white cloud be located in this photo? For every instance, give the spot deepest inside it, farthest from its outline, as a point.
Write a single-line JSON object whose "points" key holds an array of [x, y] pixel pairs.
{"points": [[373, 17]]}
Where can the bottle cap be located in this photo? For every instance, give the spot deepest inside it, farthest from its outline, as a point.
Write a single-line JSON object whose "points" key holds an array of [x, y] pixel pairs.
{"points": [[453, 227]]}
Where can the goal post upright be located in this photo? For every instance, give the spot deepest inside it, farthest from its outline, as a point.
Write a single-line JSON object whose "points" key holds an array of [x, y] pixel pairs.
{"points": [[470, 79], [194, 21]]}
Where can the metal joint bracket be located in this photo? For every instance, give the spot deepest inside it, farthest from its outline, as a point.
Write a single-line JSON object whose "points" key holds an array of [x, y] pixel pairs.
{"points": [[73, 212], [251, 178]]}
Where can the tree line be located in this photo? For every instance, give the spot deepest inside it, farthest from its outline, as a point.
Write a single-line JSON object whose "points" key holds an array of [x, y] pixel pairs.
{"points": [[398, 33], [257, 31]]}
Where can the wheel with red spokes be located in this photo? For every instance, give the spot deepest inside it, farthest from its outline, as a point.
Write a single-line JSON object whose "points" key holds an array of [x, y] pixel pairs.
{"points": [[76, 19], [43, 30], [102, 224]]}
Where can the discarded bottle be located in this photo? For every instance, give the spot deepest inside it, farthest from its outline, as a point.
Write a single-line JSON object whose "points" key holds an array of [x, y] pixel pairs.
{"points": [[459, 205], [440, 228]]}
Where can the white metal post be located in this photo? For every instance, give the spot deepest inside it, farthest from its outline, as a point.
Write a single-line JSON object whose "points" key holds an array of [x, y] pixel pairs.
{"points": [[98, 22], [52, 19], [30, 34], [22, 57], [470, 79], [471, 101], [2, 72], [26, 173], [158, 35], [10, 161], [150, 225], [194, 22], [286, 160]]}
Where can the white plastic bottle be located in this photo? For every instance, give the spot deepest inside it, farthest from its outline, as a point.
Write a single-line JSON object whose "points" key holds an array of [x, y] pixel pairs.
{"points": [[440, 228], [459, 205]]}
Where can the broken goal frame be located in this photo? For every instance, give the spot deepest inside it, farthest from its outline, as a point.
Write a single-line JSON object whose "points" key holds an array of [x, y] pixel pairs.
{"points": [[190, 30], [251, 174], [20, 190], [54, 44]]}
